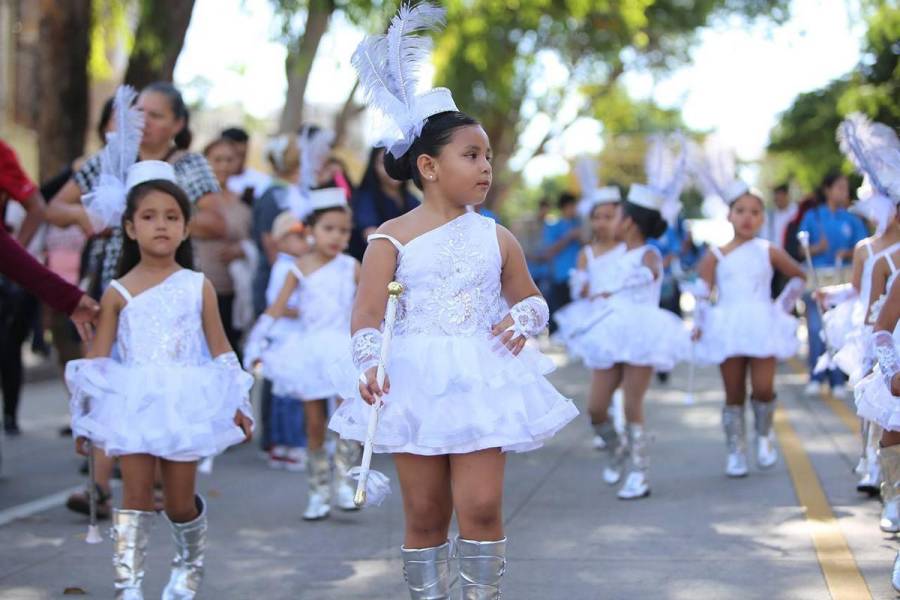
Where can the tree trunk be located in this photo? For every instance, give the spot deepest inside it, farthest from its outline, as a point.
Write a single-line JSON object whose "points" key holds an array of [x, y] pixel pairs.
{"points": [[299, 61], [158, 41], [63, 76], [349, 111]]}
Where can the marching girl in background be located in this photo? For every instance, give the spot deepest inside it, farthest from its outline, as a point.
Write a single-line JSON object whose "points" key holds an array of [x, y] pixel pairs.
{"points": [[162, 320], [746, 331], [299, 363], [848, 330], [594, 274], [461, 387], [633, 336]]}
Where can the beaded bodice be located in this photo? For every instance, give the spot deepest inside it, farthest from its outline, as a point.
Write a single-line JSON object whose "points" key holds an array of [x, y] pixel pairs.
{"points": [[745, 274], [326, 295], [163, 325], [451, 280]]}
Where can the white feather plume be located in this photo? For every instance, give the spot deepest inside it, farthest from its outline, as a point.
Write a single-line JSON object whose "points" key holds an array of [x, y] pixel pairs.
{"points": [[389, 66], [713, 169], [586, 174], [874, 150], [106, 203], [314, 148], [666, 170]]}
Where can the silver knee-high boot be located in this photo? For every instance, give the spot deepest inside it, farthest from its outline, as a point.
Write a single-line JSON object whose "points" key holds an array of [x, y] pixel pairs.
{"points": [[131, 534], [190, 549], [481, 567], [427, 572], [735, 439], [346, 456], [870, 481], [890, 494], [895, 573], [318, 469], [615, 449], [763, 416], [636, 484]]}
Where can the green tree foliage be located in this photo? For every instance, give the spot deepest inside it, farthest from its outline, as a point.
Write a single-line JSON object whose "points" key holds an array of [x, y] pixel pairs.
{"points": [[802, 146]]}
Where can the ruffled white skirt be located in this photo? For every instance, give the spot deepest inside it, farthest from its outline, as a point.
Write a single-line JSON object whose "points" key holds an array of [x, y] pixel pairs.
{"points": [[754, 329], [454, 395], [856, 355], [875, 402], [180, 413], [576, 317], [636, 334], [841, 321], [299, 363]]}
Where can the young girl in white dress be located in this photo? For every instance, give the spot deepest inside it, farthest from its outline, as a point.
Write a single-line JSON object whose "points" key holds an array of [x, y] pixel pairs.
{"points": [[462, 388], [300, 362], [746, 331], [149, 393]]}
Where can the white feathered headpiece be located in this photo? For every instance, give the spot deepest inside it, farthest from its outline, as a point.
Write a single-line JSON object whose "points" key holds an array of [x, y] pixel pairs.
{"points": [[874, 150], [591, 193], [713, 167], [666, 169], [314, 146], [388, 67], [105, 204]]}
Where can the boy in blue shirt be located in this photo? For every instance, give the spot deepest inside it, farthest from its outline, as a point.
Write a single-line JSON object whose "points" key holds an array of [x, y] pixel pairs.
{"points": [[562, 241]]}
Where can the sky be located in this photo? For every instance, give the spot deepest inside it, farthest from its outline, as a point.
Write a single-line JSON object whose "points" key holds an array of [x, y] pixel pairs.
{"points": [[738, 81]]}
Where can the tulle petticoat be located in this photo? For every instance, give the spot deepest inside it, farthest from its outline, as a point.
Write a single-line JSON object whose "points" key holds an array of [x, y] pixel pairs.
{"points": [[875, 402], [180, 413], [754, 329], [300, 364], [454, 395], [637, 334], [841, 321], [577, 317]]}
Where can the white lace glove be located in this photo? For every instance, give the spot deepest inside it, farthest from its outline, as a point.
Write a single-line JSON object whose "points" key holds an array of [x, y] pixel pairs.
{"points": [[886, 354], [701, 292], [366, 349], [530, 316], [230, 362], [577, 280], [257, 340], [788, 297]]}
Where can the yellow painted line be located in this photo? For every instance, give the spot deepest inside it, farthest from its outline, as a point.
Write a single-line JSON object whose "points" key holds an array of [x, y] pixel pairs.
{"points": [[839, 568], [839, 408]]}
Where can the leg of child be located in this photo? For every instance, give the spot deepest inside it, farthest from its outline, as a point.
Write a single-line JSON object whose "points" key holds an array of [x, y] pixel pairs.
{"points": [[603, 385], [179, 487], [131, 524], [762, 379], [318, 466], [314, 413], [734, 379], [187, 515], [138, 477], [635, 382], [762, 385], [477, 484], [427, 500]]}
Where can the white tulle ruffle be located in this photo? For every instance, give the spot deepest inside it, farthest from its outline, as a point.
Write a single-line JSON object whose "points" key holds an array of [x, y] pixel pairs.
{"points": [[634, 334], [755, 329], [180, 413], [300, 363], [841, 321], [456, 394], [875, 402]]}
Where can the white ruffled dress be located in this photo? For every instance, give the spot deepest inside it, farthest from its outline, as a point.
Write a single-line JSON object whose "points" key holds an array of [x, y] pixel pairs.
{"points": [[632, 328], [745, 321], [299, 361], [451, 391], [162, 394], [874, 400], [580, 314]]}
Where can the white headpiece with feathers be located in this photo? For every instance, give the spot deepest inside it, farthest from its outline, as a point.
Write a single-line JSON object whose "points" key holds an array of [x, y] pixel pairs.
{"points": [[105, 204], [314, 147], [388, 67], [666, 169], [874, 150], [591, 193], [714, 170]]}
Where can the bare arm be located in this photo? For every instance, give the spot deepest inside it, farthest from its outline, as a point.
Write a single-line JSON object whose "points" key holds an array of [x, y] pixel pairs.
{"points": [[887, 320], [208, 222], [35, 207], [785, 264], [706, 270], [515, 279], [378, 266], [880, 274], [280, 308], [212, 323], [859, 258], [108, 323], [65, 209]]}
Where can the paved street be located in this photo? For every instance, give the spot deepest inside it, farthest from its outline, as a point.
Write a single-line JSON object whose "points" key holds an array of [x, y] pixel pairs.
{"points": [[799, 531]]}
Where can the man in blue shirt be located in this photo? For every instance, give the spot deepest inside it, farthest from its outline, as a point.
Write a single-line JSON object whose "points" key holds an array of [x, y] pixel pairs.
{"points": [[833, 233], [562, 241]]}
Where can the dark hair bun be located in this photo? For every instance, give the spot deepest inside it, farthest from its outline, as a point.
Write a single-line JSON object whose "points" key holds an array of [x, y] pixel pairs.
{"points": [[649, 222], [398, 168], [658, 228]]}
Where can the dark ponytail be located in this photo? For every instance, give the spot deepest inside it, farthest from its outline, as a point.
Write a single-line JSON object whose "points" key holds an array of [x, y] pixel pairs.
{"points": [[649, 222], [131, 252], [176, 103], [437, 133]]}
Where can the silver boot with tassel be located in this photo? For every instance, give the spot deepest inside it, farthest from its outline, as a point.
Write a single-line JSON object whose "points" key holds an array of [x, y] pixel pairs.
{"points": [[318, 469], [347, 455], [763, 416], [481, 567], [427, 572], [636, 484], [131, 535], [735, 439], [890, 494], [190, 550], [615, 449]]}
